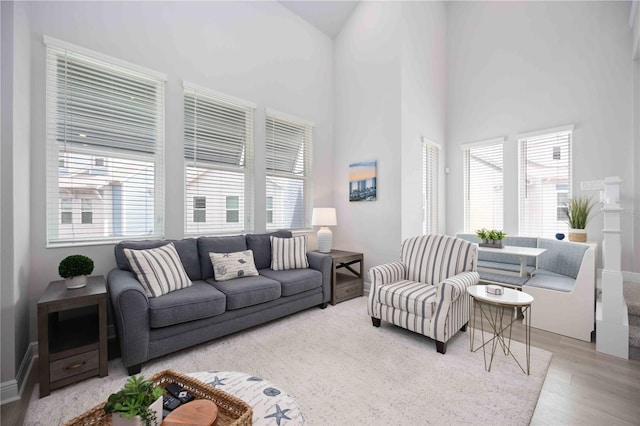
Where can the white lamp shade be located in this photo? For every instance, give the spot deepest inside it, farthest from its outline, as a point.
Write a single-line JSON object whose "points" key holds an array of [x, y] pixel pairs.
{"points": [[324, 216]]}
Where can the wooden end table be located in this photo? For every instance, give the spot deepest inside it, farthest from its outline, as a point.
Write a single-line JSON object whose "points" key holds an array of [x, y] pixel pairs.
{"points": [[345, 286], [72, 334]]}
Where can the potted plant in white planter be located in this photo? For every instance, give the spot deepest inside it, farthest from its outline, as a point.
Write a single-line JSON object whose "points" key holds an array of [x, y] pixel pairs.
{"points": [[75, 269], [577, 212], [139, 402]]}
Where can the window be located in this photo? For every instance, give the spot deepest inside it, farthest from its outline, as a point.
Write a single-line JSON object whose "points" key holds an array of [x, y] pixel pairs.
{"points": [[483, 185], [269, 210], [288, 160], [66, 211], [218, 153], [105, 141], [545, 181], [86, 206], [199, 209], [233, 209], [430, 170]]}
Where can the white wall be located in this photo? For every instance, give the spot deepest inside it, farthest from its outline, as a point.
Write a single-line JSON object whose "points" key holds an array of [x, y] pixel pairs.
{"points": [[367, 127], [389, 91], [423, 91], [636, 120], [520, 67], [258, 51], [15, 226]]}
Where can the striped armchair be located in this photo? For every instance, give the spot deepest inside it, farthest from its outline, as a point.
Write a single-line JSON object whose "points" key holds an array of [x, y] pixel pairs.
{"points": [[426, 291]]}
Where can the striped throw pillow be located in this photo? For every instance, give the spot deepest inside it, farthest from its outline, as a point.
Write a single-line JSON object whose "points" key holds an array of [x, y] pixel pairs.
{"points": [[289, 253], [159, 270]]}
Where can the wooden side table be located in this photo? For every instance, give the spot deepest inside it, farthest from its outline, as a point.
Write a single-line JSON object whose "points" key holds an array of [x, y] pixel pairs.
{"points": [[345, 286], [72, 334]]}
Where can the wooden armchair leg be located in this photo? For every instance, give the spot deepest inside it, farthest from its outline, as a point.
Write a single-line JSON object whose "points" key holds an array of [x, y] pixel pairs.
{"points": [[441, 347], [375, 321], [464, 327]]}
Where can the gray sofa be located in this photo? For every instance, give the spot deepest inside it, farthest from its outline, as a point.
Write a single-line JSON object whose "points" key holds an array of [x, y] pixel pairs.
{"points": [[149, 327]]}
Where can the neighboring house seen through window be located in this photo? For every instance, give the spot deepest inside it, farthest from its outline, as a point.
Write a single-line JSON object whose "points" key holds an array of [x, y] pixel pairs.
{"points": [[199, 209]]}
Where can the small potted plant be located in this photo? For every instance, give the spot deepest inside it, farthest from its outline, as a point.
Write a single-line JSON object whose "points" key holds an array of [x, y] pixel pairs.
{"points": [[491, 238], [483, 234], [139, 402], [577, 212], [75, 269]]}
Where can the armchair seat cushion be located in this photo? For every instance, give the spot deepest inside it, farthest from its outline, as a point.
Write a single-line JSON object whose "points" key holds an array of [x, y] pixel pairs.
{"points": [[198, 301], [408, 296], [294, 281], [247, 291]]}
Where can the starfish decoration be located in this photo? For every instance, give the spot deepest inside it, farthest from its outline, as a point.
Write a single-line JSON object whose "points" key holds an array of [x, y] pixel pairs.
{"points": [[225, 255], [217, 382], [279, 414]]}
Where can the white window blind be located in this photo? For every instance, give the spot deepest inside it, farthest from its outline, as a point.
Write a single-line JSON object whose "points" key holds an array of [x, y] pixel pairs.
{"points": [[218, 152], [545, 181], [288, 162], [483, 186], [430, 170], [105, 144]]}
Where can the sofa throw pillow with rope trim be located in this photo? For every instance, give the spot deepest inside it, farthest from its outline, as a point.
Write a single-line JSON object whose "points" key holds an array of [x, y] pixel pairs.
{"points": [[289, 253], [159, 270], [227, 266]]}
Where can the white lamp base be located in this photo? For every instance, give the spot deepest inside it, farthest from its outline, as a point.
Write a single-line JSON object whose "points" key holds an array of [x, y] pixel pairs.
{"points": [[325, 240]]}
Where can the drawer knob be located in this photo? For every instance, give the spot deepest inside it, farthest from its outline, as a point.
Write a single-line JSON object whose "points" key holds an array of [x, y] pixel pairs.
{"points": [[74, 366]]}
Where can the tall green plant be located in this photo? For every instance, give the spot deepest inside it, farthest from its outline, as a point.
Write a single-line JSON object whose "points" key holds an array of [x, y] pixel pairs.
{"points": [[578, 210]]}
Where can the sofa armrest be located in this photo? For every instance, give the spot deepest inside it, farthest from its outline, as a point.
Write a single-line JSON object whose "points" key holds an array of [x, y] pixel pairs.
{"points": [[387, 273], [131, 316], [322, 262], [451, 288]]}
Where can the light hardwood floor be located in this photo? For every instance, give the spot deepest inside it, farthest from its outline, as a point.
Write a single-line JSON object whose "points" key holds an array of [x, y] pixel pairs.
{"points": [[582, 387]]}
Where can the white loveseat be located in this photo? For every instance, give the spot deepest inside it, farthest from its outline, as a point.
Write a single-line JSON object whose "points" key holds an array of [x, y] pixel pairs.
{"points": [[426, 291]]}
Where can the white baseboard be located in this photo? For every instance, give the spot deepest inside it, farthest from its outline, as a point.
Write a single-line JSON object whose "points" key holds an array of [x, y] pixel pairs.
{"points": [[631, 277], [12, 390]]}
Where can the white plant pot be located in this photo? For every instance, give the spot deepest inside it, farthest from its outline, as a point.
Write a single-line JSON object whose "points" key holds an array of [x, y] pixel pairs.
{"points": [[117, 420], [76, 282]]}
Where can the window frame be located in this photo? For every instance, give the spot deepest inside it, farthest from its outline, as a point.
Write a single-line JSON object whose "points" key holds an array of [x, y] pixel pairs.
{"points": [[61, 153], [430, 185]]}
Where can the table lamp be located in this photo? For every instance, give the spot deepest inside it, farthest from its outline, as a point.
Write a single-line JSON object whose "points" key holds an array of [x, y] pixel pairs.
{"points": [[324, 217]]}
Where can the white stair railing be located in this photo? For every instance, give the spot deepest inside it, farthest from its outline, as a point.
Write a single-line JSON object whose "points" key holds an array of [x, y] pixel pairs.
{"points": [[612, 322]]}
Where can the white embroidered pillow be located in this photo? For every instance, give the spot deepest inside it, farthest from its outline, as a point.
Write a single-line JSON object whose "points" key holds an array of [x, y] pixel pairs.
{"points": [[227, 266], [159, 270], [289, 253]]}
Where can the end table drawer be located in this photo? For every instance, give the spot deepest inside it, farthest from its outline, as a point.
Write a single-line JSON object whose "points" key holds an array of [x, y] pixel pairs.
{"points": [[73, 365], [348, 291]]}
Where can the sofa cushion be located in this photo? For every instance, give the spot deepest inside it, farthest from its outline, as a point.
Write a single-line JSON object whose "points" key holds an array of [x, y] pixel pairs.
{"points": [[295, 281], [208, 245], [552, 282], [247, 291], [199, 301], [261, 246], [409, 296], [228, 266], [561, 257], [187, 249], [159, 270], [545, 272], [289, 253]]}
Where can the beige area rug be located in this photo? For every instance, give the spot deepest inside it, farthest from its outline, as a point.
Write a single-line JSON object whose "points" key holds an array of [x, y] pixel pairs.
{"points": [[343, 371]]}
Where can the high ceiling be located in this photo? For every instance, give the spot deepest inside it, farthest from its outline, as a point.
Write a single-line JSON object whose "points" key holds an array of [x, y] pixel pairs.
{"points": [[327, 16]]}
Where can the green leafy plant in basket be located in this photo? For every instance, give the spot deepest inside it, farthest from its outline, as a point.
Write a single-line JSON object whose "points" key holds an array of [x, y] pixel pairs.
{"points": [[483, 234], [134, 399]]}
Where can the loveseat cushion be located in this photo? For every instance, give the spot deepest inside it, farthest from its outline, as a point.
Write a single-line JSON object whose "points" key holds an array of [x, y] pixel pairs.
{"points": [[561, 257], [261, 246], [187, 249], [208, 245], [408, 296], [552, 282], [247, 291], [294, 281], [199, 301]]}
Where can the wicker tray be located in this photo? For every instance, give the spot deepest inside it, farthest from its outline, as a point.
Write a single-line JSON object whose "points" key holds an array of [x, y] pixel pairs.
{"points": [[231, 410]]}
